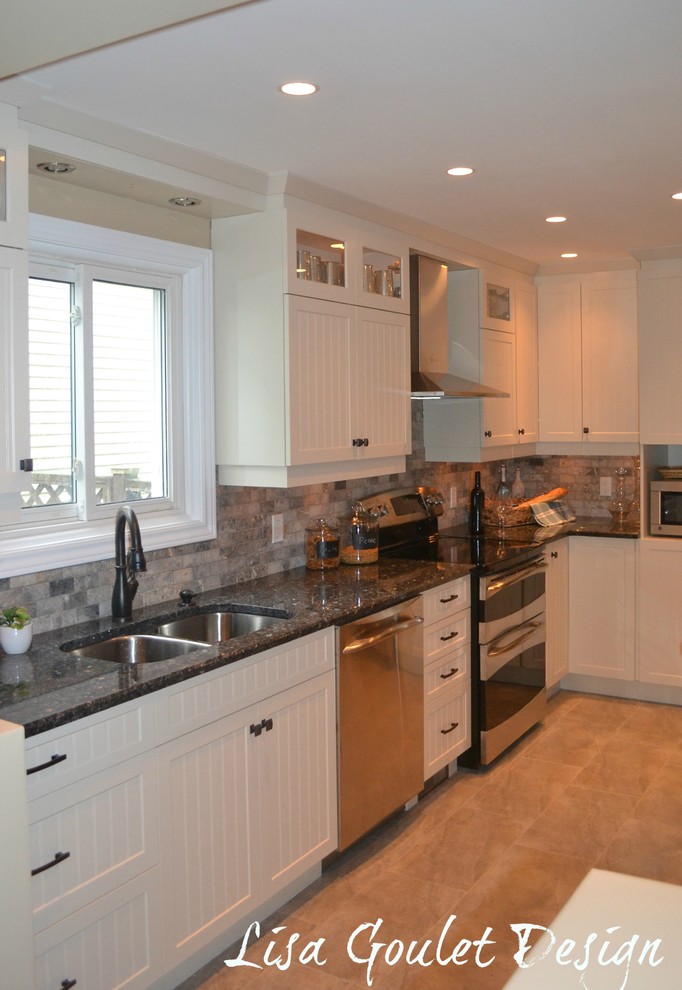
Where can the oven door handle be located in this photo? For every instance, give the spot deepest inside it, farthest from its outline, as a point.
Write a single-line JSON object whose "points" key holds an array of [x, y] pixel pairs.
{"points": [[528, 627], [384, 631], [538, 565]]}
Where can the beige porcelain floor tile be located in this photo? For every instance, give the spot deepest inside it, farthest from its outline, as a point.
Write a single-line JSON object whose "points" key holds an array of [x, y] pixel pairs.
{"points": [[646, 848], [571, 741], [392, 910], [460, 850], [580, 822], [525, 886], [655, 725], [662, 801], [607, 713], [523, 789], [622, 769]]}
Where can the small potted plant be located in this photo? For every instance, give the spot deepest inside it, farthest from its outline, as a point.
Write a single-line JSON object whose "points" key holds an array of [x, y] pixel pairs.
{"points": [[16, 630]]}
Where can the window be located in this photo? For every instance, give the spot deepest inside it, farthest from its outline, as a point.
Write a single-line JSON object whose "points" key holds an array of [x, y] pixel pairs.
{"points": [[120, 395]]}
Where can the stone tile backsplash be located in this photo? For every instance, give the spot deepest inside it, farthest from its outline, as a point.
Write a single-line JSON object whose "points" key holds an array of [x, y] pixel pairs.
{"points": [[243, 549]]}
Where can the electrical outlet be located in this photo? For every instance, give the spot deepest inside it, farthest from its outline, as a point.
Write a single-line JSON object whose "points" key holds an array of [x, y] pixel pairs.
{"points": [[277, 527], [605, 489], [453, 498]]}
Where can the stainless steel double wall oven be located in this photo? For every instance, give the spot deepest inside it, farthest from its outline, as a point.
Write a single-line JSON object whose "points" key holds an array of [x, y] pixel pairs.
{"points": [[508, 612]]}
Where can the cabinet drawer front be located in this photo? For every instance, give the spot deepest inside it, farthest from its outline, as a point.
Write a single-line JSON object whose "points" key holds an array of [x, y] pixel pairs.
{"points": [[185, 707], [111, 944], [105, 824], [63, 756], [452, 670], [446, 600], [442, 637], [447, 732]]}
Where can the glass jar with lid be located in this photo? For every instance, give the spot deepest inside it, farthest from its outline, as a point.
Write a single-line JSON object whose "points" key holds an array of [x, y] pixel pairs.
{"points": [[321, 545], [359, 537]]}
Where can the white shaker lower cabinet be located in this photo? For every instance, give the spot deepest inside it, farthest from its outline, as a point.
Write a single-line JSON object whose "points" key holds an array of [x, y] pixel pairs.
{"points": [[161, 827], [447, 674], [94, 851], [602, 607], [248, 798], [660, 612], [557, 556]]}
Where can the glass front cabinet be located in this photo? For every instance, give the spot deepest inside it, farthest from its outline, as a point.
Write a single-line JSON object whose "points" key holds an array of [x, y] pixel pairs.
{"points": [[331, 256]]}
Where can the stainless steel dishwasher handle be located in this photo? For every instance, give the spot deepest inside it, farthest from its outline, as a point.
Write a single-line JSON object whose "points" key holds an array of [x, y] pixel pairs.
{"points": [[385, 631]]}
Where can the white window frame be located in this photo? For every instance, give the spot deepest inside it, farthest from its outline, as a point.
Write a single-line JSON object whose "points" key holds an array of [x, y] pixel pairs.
{"points": [[38, 546]]}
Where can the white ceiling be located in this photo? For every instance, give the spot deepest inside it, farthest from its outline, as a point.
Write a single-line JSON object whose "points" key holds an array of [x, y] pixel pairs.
{"points": [[570, 108]]}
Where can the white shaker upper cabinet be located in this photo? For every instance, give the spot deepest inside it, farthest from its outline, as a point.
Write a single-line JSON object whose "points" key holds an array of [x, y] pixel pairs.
{"points": [[588, 372], [660, 351], [312, 377]]}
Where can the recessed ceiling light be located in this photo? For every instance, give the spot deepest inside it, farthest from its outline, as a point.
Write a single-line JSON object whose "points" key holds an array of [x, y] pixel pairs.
{"points": [[338, 247], [56, 168], [298, 88], [677, 195], [569, 254], [184, 201], [555, 219], [461, 170]]}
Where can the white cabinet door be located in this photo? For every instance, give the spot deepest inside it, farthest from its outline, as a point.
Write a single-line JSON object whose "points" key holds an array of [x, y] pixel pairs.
{"points": [[660, 354], [526, 364], [498, 369], [14, 424], [557, 611], [319, 345], [208, 806], [660, 612], [609, 356], [560, 361], [602, 607], [296, 781], [588, 371], [380, 383]]}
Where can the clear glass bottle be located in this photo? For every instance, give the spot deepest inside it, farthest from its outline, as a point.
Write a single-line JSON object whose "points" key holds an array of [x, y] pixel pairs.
{"points": [[503, 489], [518, 489], [620, 505]]}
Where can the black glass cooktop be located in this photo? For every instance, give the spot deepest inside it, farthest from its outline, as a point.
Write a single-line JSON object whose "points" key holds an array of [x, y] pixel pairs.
{"points": [[491, 551]]}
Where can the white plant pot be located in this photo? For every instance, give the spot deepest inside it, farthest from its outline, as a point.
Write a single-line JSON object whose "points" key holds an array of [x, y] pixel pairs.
{"points": [[16, 640]]}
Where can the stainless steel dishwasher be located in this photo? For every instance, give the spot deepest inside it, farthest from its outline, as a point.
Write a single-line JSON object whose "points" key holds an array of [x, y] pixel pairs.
{"points": [[380, 717]]}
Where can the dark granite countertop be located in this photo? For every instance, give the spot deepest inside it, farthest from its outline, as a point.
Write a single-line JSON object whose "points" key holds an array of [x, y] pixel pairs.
{"points": [[47, 687]]}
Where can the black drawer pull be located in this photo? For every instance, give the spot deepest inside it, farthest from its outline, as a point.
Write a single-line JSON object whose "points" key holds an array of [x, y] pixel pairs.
{"points": [[67, 984], [453, 725], [53, 761], [453, 671], [444, 639], [256, 728], [58, 858], [267, 724], [452, 598]]}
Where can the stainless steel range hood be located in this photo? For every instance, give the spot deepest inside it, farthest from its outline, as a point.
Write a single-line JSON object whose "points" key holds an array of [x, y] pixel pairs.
{"points": [[430, 337]]}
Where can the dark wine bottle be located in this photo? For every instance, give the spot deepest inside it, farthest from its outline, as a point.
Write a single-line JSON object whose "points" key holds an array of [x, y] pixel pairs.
{"points": [[476, 507]]}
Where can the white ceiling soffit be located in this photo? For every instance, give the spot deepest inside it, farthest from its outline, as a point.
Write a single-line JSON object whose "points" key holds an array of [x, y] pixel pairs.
{"points": [[40, 32]]}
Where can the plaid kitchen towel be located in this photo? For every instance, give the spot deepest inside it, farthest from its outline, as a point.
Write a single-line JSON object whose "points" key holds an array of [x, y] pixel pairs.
{"points": [[551, 513]]}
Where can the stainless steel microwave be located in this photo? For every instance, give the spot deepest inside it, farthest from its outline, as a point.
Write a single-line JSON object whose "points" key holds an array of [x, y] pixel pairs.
{"points": [[665, 517]]}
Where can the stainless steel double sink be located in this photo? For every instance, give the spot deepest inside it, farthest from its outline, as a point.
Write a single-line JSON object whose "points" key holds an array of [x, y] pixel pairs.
{"points": [[177, 637]]}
